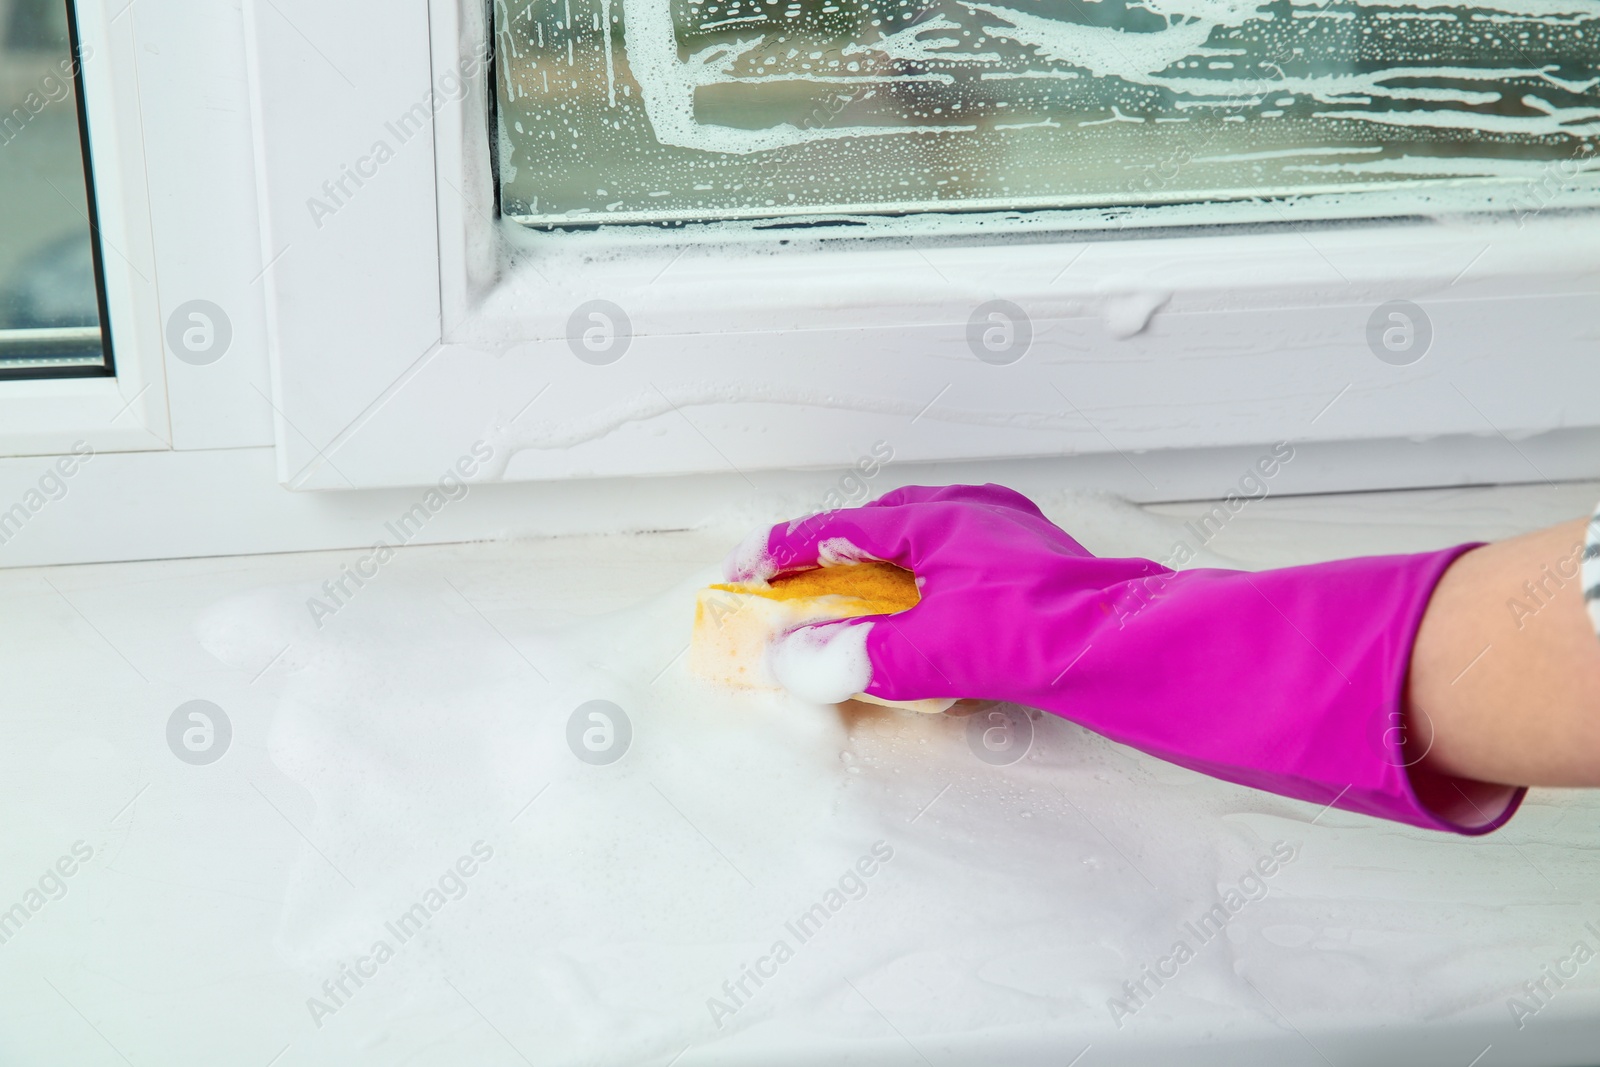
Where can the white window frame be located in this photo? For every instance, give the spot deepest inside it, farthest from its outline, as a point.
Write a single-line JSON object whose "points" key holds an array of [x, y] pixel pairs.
{"points": [[127, 412], [407, 324], [1236, 355]]}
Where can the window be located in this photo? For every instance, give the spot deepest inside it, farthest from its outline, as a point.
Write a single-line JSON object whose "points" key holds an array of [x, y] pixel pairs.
{"points": [[412, 319], [51, 300], [684, 110]]}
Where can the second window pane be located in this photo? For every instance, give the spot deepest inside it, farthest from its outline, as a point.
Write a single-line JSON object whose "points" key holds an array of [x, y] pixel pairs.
{"points": [[49, 293]]}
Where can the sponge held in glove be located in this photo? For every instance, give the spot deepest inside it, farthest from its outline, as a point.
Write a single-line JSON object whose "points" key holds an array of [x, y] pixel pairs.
{"points": [[736, 623]]}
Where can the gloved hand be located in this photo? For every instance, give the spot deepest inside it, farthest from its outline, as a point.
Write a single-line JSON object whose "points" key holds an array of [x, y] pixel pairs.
{"points": [[1289, 680]]}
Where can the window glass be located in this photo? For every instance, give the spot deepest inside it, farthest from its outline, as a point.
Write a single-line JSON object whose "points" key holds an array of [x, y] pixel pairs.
{"points": [[655, 110], [49, 293]]}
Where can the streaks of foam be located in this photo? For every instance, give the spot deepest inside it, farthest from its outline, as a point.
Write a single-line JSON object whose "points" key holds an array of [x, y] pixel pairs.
{"points": [[1050, 123], [1004, 75], [667, 86], [934, 39], [1334, 86], [1533, 10], [1141, 57], [1437, 166], [692, 101], [652, 403], [1572, 121], [1288, 153], [1134, 57], [605, 46]]}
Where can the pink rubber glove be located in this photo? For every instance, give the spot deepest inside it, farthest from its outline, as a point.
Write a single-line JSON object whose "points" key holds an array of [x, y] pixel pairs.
{"points": [[1287, 680]]}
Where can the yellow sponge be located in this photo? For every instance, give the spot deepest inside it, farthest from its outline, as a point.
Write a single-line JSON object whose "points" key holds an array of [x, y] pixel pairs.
{"points": [[735, 622]]}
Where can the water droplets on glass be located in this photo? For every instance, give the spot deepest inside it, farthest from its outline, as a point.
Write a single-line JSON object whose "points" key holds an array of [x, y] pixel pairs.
{"points": [[659, 110]]}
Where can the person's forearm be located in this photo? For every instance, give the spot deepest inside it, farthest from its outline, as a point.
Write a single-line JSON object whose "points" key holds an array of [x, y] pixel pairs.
{"points": [[1504, 683]]}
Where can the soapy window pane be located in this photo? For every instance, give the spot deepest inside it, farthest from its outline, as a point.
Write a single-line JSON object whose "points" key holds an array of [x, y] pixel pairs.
{"points": [[49, 292], [658, 110]]}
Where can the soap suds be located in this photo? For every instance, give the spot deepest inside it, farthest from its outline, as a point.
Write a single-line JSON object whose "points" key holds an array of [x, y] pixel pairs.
{"points": [[621, 897], [1127, 314], [750, 560], [823, 664], [834, 551], [507, 440], [728, 109]]}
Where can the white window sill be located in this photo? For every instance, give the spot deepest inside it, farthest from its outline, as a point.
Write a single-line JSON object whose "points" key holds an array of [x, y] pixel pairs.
{"points": [[328, 778]]}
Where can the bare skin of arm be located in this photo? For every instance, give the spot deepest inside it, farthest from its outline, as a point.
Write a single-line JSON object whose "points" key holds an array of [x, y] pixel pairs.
{"points": [[1508, 694]]}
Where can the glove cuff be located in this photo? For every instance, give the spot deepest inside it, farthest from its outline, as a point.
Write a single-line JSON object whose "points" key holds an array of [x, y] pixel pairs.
{"points": [[1291, 681]]}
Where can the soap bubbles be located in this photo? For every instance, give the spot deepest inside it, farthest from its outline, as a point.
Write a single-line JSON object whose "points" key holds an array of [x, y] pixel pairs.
{"points": [[999, 332], [1399, 332], [199, 732], [599, 732], [599, 332], [1000, 734]]}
